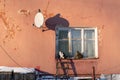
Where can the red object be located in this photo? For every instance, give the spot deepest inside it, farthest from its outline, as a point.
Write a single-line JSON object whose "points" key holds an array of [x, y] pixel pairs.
{"points": [[37, 68]]}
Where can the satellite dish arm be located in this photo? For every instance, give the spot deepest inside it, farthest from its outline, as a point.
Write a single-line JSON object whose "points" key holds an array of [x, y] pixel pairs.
{"points": [[39, 10]]}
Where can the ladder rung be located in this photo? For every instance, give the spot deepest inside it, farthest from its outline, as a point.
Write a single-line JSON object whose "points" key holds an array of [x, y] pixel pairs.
{"points": [[64, 62], [62, 75], [64, 68]]}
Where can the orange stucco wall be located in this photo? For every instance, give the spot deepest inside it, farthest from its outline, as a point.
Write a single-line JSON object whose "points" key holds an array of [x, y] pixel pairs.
{"points": [[27, 46]]}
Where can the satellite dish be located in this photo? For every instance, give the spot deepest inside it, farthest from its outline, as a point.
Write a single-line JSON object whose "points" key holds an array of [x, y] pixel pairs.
{"points": [[38, 20]]}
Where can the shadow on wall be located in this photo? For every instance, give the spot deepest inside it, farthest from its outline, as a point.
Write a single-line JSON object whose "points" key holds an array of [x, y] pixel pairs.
{"points": [[52, 22]]}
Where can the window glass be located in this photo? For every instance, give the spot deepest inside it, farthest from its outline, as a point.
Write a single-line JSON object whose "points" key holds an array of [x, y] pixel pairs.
{"points": [[89, 43], [76, 41], [76, 34], [76, 46], [89, 48], [89, 34], [63, 34], [63, 46]]}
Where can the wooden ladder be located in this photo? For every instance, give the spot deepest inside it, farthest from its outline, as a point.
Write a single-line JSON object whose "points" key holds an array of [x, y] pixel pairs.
{"points": [[62, 68]]}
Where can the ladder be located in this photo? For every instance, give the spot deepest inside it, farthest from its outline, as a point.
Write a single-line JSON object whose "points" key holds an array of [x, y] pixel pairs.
{"points": [[63, 66]]}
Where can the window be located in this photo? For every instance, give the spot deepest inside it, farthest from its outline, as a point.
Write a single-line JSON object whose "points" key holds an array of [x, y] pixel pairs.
{"points": [[77, 40]]}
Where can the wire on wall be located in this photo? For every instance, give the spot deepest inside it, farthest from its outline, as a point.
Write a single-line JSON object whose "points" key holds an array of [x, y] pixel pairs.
{"points": [[12, 59]]}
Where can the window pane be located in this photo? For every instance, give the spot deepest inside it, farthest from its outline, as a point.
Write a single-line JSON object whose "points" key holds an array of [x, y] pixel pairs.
{"points": [[63, 34], [76, 46], [63, 46], [89, 48], [89, 34], [76, 34]]}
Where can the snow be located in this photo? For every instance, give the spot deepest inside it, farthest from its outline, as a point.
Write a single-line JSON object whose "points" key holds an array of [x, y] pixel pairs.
{"points": [[113, 77], [16, 69]]}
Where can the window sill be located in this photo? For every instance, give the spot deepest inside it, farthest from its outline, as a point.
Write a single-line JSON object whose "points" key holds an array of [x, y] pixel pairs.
{"points": [[80, 58], [86, 59]]}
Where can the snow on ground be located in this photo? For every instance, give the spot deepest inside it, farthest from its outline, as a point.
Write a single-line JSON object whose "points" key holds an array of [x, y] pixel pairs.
{"points": [[113, 77], [16, 69]]}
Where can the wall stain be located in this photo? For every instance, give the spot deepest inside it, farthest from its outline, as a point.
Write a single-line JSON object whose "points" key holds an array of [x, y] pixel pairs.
{"points": [[10, 26], [100, 34]]}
